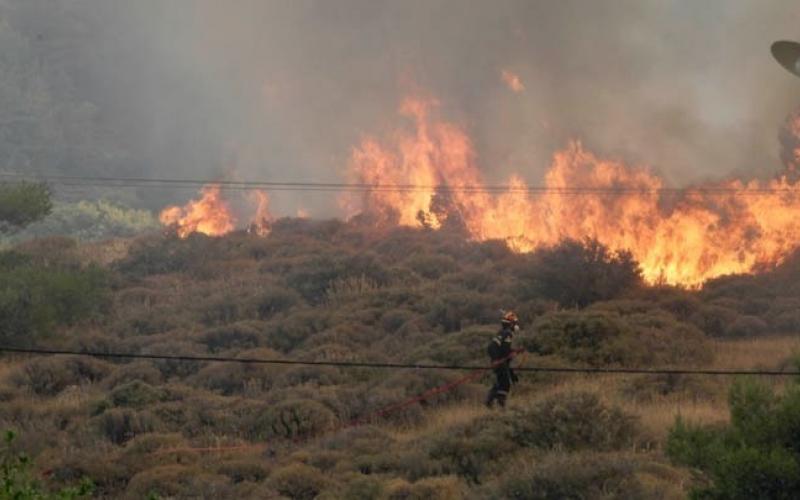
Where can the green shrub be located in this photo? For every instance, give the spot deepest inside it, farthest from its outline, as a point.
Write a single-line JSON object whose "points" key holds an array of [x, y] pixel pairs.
{"points": [[746, 326], [576, 274], [244, 470], [35, 299], [756, 456], [18, 480], [594, 338]]}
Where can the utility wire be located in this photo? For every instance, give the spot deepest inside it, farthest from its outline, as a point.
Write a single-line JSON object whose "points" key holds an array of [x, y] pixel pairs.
{"points": [[399, 366], [137, 182]]}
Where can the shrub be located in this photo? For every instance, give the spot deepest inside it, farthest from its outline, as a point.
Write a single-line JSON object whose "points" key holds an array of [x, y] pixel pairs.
{"points": [[240, 335], [473, 450], [49, 376], [18, 481], [274, 300], [746, 326], [291, 419], [244, 470], [590, 337], [755, 456], [713, 320], [177, 481], [136, 394], [573, 421], [577, 273], [34, 299], [121, 425], [573, 476], [298, 481]]}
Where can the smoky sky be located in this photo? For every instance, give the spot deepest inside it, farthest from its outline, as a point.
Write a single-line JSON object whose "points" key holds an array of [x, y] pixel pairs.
{"points": [[283, 90]]}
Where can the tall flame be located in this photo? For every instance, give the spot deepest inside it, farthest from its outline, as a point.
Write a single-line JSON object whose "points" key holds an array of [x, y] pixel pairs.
{"points": [[209, 215], [678, 237], [261, 223]]}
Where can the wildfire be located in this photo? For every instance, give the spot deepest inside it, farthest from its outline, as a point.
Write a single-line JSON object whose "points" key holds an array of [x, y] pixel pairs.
{"points": [[209, 215], [678, 238], [512, 80], [261, 224], [212, 215]]}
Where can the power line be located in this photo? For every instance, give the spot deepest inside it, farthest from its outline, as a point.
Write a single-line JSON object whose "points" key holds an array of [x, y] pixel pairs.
{"points": [[399, 366], [171, 183]]}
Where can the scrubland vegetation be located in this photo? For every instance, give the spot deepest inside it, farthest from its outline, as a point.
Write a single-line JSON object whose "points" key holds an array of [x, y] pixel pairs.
{"points": [[346, 291]]}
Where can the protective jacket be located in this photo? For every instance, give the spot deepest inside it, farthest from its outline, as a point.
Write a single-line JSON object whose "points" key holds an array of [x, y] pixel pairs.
{"points": [[500, 349]]}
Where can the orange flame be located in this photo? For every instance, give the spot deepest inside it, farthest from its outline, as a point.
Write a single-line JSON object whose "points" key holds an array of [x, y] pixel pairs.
{"points": [[684, 238], [512, 80], [209, 215], [261, 223]]}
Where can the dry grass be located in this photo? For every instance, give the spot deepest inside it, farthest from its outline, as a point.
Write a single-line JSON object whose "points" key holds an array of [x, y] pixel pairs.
{"points": [[762, 353]]}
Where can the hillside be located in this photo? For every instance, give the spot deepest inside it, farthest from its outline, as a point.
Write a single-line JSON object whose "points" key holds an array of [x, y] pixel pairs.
{"points": [[335, 291]]}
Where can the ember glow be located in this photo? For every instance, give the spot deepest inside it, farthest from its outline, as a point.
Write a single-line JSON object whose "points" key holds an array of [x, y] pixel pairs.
{"points": [[679, 237], [512, 80], [209, 215]]}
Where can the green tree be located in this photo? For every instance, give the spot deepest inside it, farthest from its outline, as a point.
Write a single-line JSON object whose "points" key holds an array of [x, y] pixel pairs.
{"points": [[756, 456], [577, 273], [17, 480], [22, 204]]}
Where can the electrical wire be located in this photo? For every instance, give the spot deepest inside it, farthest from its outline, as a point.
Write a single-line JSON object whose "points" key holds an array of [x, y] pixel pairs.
{"points": [[401, 366], [171, 183]]}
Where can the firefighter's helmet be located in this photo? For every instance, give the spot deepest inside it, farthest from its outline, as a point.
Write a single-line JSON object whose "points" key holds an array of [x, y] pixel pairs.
{"points": [[510, 317]]}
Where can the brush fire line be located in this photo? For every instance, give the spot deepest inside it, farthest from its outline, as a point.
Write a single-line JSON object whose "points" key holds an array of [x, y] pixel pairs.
{"points": [[678, 236]]}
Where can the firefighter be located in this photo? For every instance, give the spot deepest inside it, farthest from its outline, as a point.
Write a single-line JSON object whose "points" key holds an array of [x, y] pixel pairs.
{"points": [[500, 352]]}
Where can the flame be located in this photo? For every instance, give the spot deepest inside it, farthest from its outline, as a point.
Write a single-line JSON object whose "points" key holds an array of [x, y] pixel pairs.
{"points": [[680, 238], [261, 223], [209, 215], [512, 80]]}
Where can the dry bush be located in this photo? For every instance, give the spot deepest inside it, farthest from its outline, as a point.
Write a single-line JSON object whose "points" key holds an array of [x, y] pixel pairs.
{"points": [[178, 481], [298, 481], [434, 488], [121, 425], [573, 421], [291, 419], [572, 476], [143, 371], [136, 394], [240, 470], [746, 326], [240, 335], [49, 376]]}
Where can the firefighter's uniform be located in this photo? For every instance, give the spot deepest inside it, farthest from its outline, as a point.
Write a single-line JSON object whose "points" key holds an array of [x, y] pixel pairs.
{"points": [[500, 349]]}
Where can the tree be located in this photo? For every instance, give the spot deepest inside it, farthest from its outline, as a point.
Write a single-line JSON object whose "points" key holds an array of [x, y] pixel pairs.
{"points": [[23, 203], [756, 456], [577, 273]]}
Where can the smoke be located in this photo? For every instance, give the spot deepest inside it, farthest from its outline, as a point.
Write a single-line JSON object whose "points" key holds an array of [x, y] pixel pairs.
{"points": [[273, 89]]}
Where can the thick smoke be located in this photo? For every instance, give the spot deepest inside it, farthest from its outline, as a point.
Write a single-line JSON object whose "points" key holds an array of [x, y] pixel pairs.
{"points": [[261, 89]]}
